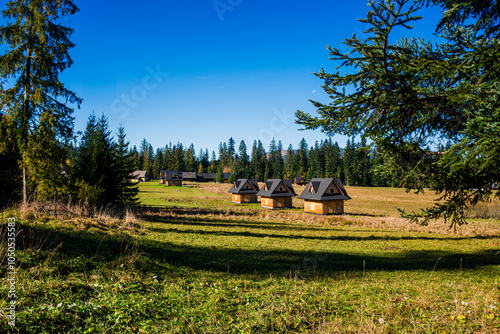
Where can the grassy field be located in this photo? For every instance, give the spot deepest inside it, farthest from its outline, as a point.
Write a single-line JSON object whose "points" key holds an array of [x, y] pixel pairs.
{"points": [[196, 263]]}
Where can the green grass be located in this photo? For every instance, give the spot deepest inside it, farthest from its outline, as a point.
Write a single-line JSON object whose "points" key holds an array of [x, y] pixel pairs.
{"points": [[204, 265], [154, 194]]}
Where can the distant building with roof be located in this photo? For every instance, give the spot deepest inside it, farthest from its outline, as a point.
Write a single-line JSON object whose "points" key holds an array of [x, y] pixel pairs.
{"points": [[276, 193], [171, 178], [139, 176], [244, 191], [299, 181], [189, 176], [324, 196]]}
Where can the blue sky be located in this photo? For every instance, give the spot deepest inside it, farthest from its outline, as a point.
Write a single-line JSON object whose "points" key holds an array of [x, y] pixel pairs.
{"points": [[203, 71]]}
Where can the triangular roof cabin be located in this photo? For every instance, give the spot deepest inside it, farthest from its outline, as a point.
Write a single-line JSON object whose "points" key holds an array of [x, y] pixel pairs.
{"points": [[324, 196], [244, 191], [299, 181], [276, 193], [171, 177], [244, 186], [139, 176]]}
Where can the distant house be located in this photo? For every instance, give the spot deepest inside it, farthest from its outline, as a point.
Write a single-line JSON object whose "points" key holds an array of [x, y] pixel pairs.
{"points": [[300, 181], [324, 196], [226, 176], [139, 176], [244, 191], [171, 178], [189, 176], [207, 177], [276, 193]]}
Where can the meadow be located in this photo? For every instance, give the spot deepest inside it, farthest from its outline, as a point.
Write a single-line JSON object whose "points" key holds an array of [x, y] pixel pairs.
{"points": [[190, 261]]}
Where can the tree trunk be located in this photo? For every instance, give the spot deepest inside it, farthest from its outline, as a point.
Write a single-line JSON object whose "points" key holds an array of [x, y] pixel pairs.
{"points": [[25, 116]]}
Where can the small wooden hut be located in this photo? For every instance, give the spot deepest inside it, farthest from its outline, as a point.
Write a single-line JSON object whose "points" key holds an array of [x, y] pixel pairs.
{"points": [[171, 178], [276, 194], [324, 197], [299, 181], [244, 191], [139, 176], [189, 176], [206, 177]]}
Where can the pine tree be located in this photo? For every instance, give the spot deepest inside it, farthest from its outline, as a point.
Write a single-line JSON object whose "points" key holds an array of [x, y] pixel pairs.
{"points": [[213, 163], [289, 164], [363, 159], [231, 151], [95, 162], [157, 163], [190, 159], [45, 162], [128, 191], [219, 177], [301, 156], [243, 160], [35, 51], [408, 93], [349, 164]]}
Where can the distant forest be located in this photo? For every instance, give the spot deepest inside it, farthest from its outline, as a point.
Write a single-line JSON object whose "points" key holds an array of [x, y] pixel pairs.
{"points": [[358, 164], [97, 169]]}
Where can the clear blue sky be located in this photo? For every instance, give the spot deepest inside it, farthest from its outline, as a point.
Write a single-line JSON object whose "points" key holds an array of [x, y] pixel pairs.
{"points": [[203, 71]]}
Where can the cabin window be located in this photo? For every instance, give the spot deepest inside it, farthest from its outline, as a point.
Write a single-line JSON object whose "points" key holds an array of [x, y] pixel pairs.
{"points": [[281, 188], [331, 190]]}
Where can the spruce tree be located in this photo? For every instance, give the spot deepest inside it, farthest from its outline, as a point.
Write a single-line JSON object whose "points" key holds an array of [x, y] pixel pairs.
{"points": [[219, 177], [35, 50], [302, 158], [408, 94], [128, 191], [191, 159], [243, 160], [95, 161]]}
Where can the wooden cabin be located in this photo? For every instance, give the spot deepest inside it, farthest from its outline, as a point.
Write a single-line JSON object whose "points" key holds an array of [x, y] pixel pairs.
{"points": [[171, 178], [300, 181], [244, 191], [189, 176], [324, 197], [139, 176], [276, 194], [207, 177]]}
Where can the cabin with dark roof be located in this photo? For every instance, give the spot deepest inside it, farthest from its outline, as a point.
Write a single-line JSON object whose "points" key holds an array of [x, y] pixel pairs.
{"points": [[189, 176], [276, 194], [226, 177], [300, 181], [324, 197], [139, 176], [206, 177], [244, 191], [171, 178]]}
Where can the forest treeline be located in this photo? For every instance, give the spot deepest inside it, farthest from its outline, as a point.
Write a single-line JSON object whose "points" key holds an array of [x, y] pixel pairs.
{"points": [[358, 164], [97, 169]]}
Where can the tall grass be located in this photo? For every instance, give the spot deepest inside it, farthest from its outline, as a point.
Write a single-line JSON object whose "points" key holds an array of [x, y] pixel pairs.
{"points": [[225, 268]]}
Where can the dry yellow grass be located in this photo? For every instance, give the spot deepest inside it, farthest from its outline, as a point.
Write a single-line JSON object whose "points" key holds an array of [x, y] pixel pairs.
{"points": [[372, 207]]}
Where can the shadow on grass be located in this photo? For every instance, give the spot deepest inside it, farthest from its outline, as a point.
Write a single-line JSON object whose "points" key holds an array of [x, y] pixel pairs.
{"points": [[226, 222], [106, 248]]}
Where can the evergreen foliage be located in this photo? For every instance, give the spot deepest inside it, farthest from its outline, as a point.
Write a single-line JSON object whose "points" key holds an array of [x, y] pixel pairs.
{"points": [[96, 164], [128, 191], [408, 95], [35, 51]]}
